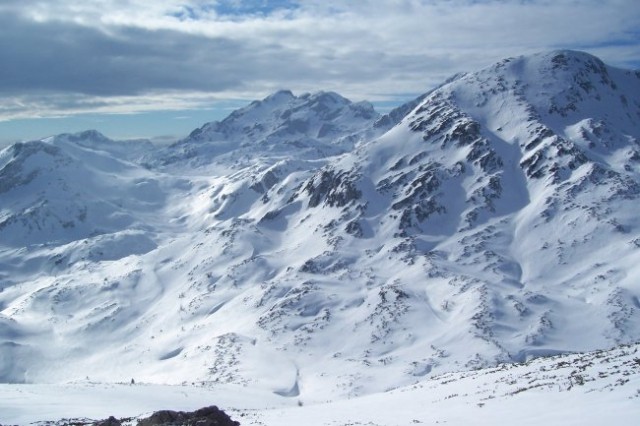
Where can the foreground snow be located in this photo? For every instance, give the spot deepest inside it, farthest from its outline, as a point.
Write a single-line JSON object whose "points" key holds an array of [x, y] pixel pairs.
{"points": [[583, 389]]}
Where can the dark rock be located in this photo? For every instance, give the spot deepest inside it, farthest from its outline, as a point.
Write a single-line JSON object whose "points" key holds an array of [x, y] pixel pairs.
{"points": [[111, 421], [335, 189], [355, 229], [208, 416]]}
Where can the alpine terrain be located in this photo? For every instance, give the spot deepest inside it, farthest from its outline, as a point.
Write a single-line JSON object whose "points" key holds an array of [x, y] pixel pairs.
{"points": [[314, 249]]}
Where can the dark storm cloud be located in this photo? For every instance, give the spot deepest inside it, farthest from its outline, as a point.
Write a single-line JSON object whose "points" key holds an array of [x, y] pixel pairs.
{"points": [[66, 57]]}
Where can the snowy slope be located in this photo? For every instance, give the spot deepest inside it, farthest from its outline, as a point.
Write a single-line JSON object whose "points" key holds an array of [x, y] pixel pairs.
{"points": [[583, 389], [308, 247]]}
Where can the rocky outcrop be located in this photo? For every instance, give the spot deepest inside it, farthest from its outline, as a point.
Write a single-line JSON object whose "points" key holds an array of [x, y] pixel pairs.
{"points": [[207, 416]]}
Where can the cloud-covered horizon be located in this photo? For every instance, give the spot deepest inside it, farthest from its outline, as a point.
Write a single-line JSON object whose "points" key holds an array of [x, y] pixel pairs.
{"points": [[62, 57]]}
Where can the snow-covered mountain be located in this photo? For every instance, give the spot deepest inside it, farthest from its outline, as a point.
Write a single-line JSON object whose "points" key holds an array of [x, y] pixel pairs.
{"points": [[313, 126], [309, 246]]}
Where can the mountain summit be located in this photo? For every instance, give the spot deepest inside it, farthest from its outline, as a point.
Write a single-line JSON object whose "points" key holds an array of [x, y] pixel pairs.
{"points": [[492, 219], [312, 126]]}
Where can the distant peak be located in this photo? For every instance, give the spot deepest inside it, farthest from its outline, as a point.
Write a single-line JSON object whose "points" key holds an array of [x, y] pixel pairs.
{"points": [[26, 149], [283, 96], [91, 134], [86, 136], [329, 96], [280, 95]]}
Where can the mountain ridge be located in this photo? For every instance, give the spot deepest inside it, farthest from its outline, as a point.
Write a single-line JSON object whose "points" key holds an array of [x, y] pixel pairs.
{"points": [[315, 125]]}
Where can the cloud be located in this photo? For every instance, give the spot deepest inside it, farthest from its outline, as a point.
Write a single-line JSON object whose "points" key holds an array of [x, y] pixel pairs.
{"points": [[69, 56]]}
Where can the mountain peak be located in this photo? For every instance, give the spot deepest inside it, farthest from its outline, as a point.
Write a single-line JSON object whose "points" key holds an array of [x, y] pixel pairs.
{"points": [[334, 97], [84, 137], [280, 95], [313, 125]]}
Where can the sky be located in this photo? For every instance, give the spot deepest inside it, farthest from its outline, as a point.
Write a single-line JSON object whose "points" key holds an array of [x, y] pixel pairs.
{"points": [[161, 68]]}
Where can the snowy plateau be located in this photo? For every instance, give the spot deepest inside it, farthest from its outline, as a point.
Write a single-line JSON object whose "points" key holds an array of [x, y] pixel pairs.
{"points": [[471, 257]]}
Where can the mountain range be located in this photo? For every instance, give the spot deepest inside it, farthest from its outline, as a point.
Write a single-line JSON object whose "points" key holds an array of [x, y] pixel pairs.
{"points": [[315, 248]]}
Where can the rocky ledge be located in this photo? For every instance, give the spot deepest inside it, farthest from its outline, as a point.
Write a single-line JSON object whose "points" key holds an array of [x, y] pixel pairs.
{"points": [[207, 416]]}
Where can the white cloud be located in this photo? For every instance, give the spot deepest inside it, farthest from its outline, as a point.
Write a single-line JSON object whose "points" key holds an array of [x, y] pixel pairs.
{"points": [[152, 53]]}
